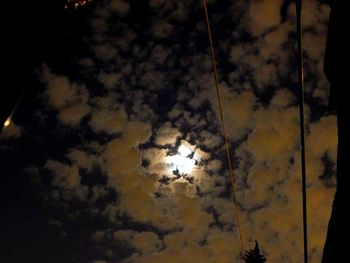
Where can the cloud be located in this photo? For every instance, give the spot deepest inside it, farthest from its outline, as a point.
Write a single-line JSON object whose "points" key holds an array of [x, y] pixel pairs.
{"points": [[159, 54], [108, 120], [182, 247], [68, 99], [167, 135], [83, 159], [61, 92], [283, 99], [109, 80], [120, 7], [275, 135], [315, 28], [122, 162], [72, 115], [160, 214], [142, 111], [321, 143], [67, 179], [162, 29], [106, 52], [177, 11], [209, 139], [264, 15], [146, 242]]}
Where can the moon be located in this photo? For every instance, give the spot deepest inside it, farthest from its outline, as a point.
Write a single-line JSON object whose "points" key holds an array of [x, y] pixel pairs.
{"points": [[183, 161]]}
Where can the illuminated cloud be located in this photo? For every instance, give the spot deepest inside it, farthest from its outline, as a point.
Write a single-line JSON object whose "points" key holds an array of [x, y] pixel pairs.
{"points": [[264, 15], [164, 164], [72, 115], [108, 120], [167, 135], [321, 141], [83, 159], [67, 179], [60, 92], [283, 99], [69, 99], [209, 139]]}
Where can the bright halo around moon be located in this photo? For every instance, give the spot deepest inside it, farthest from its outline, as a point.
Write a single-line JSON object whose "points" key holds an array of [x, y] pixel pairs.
{"points": [[183, 162]]}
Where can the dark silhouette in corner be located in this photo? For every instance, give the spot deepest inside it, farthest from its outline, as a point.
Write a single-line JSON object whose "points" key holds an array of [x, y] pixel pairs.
{"points": [[336, 71]]}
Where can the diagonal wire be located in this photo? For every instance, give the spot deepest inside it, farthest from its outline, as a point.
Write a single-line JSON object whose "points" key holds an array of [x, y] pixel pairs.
{"points": [[302, 121], [223, 127]]}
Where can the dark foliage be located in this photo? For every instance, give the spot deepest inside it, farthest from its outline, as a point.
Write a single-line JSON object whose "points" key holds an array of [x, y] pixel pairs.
{"points": [[253, 255]]}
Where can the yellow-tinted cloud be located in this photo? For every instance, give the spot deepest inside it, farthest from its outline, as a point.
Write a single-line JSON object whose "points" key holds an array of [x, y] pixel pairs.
{"points": [[67, 178], [167, 135], [109, 121], [194, 213], [264, 14]]}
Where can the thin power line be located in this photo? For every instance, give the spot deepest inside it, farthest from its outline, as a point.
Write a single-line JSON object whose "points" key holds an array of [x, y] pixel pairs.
{"points": [[301, 121], [223, 126]]}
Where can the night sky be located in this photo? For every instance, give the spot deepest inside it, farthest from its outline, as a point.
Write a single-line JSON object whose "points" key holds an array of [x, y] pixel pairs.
{"points": [[115, 151]]}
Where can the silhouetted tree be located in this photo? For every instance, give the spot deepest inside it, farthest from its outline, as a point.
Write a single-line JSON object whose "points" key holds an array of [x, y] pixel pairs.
{"points": [[253, 255]]}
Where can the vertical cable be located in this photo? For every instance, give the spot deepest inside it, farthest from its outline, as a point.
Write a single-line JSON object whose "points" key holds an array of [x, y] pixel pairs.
{"points": [[223, 126], [302, 121]]}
